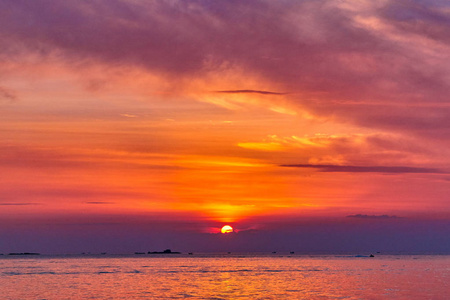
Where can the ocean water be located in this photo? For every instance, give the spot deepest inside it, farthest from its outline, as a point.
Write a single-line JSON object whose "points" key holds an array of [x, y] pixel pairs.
{"points": [[224, 277]]}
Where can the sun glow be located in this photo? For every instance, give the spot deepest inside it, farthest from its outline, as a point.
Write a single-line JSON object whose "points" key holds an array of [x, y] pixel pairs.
{"points": [[226, 229]]}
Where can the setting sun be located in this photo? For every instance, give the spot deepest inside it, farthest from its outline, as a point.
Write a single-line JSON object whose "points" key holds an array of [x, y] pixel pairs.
{"points": [[227, 229]]}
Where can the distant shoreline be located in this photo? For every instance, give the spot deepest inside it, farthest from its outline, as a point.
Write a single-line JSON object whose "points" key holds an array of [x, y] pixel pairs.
{"points": [[157, 254]]}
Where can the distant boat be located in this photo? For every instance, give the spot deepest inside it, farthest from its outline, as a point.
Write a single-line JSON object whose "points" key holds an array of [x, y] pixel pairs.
{"points": [[167, 251], [292, 252]]}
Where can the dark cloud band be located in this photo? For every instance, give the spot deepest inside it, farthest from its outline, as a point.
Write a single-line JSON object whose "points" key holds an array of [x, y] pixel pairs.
{"points": [[366, 169], [250, 92], [361, 216]]}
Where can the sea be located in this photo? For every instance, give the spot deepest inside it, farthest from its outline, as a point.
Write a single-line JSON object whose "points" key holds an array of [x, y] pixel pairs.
{"points": [[225, 276]]}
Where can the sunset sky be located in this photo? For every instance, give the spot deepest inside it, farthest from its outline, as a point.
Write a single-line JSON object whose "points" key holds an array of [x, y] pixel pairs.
{"points": [[130, 125]]}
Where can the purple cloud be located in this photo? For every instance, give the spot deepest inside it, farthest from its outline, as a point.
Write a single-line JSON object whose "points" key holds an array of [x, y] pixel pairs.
{"points": [[361, 216], [7, 95], [250, 92], [390, 74], [367, 169]]}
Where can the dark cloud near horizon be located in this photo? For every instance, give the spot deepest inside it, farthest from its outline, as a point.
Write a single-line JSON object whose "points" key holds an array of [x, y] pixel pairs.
{"points": [[317, 48], [367, 169], [361, 216]]}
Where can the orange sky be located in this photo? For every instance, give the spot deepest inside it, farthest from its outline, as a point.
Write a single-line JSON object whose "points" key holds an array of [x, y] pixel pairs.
{"points": [[128, 148], [226, 112]]}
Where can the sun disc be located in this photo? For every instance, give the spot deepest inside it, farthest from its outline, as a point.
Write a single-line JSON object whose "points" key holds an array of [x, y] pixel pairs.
{"points": [[226, 229]]}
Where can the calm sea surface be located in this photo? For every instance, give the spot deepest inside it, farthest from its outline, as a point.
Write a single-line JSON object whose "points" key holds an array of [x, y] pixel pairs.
{"points": [[225, 277]]}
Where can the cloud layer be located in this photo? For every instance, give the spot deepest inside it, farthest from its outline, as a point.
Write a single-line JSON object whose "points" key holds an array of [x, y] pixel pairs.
{"points": [[383, 64]]}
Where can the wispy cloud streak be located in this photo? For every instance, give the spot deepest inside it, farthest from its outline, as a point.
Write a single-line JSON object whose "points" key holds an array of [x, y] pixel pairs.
{"points": [[367, 169], [382, 217], [18, 203], [6, 95], [250, 92]]}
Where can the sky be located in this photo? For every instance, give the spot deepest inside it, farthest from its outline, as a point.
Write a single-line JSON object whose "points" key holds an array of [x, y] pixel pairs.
{"points": [[311, 126]]}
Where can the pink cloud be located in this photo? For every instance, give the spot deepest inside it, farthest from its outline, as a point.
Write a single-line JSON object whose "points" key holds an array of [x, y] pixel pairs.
{"points": [[384, 59], [310, 46]]}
